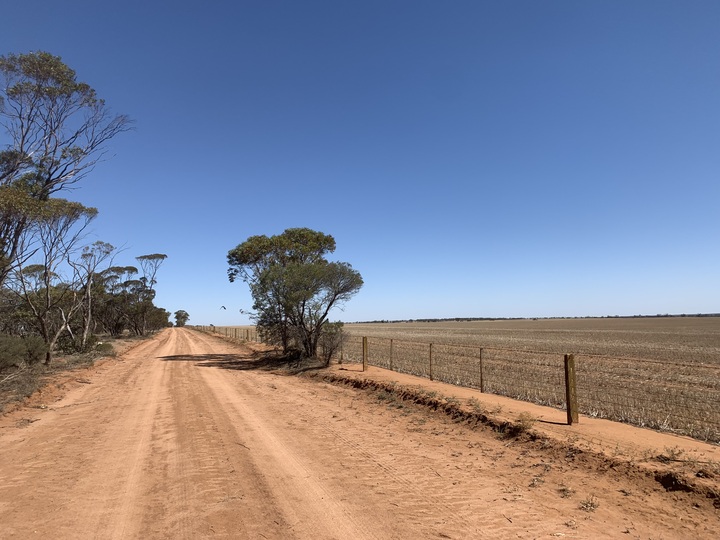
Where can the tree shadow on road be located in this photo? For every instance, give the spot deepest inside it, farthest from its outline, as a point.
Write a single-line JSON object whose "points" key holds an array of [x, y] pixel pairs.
{"points": [[267, 361]]}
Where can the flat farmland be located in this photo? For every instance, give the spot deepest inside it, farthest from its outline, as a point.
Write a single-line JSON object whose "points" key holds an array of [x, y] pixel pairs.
{"points": [[660, 372], [675, 339]]}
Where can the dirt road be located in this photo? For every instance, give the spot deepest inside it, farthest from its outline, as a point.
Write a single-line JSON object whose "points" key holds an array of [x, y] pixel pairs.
{"points": [[183, 437]]}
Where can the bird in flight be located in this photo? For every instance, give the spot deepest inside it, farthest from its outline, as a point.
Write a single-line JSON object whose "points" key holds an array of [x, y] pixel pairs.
{"points": [[223, 307]]}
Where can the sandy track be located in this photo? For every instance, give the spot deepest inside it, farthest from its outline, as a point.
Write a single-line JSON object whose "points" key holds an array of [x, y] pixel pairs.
{"points": [[181, 439]]}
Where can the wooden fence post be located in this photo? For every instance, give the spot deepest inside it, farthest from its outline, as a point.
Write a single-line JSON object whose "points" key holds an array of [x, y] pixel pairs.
{"points": [[391, 354], [431, 375], [571, 390], [365, 353], [482, 383]]}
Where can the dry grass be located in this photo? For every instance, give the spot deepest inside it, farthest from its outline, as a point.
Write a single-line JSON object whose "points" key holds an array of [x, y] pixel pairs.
{"points": [[590, 504], [662, 373], [676, 339], [17, 384]]}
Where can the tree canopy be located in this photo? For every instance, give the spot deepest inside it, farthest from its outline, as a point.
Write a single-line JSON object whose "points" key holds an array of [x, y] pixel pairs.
{"points": [[181, 317], [55, 131], [301, 245], [57, 125], [53, 290], [294, 287]]}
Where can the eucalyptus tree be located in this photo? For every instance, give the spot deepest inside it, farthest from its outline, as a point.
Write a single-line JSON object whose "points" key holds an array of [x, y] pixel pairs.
{"points": [[52, 300], [126, 299], [294, 287], [56, 129], [181, 317], [18, 211], [115, 298], [86, 269], [150, 265]]}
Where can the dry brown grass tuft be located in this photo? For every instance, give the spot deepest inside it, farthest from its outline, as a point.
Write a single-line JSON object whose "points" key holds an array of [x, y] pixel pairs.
{"points": [[590, 504]]}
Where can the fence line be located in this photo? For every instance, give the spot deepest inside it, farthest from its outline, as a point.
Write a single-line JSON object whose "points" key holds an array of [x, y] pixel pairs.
{"points": [[675, 397], [670, 396], [231, 332]]}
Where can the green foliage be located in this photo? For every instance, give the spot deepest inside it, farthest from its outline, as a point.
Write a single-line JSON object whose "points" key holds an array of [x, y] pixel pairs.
{"points": [[57, 128], [41, 302], [70, 343], [156, 319], [125, 301], [17, 350], [63, 213], [259, 253], [52, 300], [105, 348], [293, 285], [17, 210], [181, 317], [56, 122], [331, 338]]}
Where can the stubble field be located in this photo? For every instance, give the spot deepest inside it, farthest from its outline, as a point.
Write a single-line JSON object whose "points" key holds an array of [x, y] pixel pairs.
{"points": [[662, 372]]}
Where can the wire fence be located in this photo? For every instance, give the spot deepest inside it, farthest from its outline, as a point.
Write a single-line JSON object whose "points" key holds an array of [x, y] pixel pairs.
{"points": [[676, 397], [238, 333], [682, 398], [670, 396]]}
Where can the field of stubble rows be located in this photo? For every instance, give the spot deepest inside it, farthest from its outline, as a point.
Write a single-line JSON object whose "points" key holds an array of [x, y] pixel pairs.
{"points": [[661, 372]]}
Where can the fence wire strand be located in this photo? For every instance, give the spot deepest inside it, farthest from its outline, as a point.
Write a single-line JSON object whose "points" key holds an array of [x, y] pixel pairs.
{"points": [[675, 397]]}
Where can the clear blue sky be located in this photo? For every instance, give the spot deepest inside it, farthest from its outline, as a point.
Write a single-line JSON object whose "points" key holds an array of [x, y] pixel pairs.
{"points": [[471, 158]]}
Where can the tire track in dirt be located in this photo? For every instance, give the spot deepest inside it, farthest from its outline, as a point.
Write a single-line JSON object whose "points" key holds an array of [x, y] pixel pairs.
{"points": [[391, 468], [73, 448], [307, 508], [410, 486], [121, 446], [166, 444], [219, 483]]}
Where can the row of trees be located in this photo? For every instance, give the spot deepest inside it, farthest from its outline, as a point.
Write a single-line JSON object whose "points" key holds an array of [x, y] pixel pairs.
{"points": [[52, 287], [294, 288], [68, 301]]}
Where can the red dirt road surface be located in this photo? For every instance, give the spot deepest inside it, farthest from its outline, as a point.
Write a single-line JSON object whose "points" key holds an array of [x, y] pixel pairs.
{"points": [[184, 437]]}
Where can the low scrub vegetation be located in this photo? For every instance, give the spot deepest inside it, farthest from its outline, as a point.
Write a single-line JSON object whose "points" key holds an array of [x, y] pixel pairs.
{"points": [[22, 371], [18, 351]]}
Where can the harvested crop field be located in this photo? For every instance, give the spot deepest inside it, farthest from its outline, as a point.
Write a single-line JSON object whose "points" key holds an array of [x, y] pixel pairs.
{"points": [[660, 372], [677, 339]]}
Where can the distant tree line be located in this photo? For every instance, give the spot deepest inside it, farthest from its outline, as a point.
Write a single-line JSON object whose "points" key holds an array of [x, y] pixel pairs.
{"points": [[66, 308], [57, 293], [472, 319]]}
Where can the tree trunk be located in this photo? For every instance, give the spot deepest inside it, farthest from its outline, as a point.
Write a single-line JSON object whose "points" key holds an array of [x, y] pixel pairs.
{"points": [[88, 319], [310, 342]]}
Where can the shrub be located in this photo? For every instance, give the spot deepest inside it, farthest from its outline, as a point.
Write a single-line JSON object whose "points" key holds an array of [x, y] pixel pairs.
{"points": [[331, 338], [70, 344], [105, 348], [36, 349], [18, 350]]}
